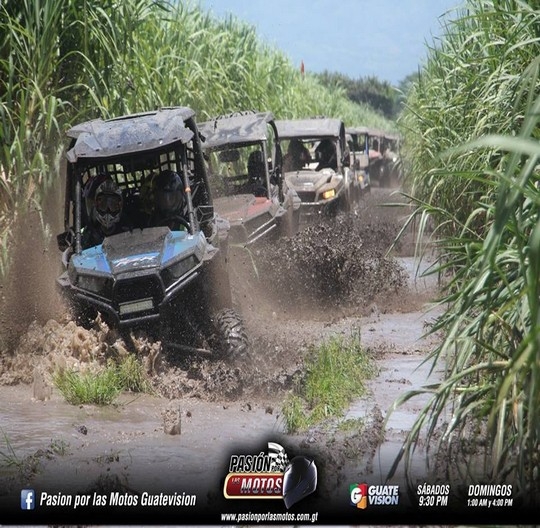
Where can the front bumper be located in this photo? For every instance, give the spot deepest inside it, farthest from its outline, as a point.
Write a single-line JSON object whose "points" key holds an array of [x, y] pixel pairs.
{"points": [[247, 232], [139, 300], [311, 206]]}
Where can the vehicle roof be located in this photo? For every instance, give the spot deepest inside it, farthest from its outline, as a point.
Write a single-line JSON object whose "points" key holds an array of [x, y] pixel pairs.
{"points": [[312, 128], [392, 135], [357, 130], [375, 132], [100, 138], [235, 129]]}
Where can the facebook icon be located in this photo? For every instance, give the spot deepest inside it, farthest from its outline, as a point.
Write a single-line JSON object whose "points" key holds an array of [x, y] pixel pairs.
{"points": [[28, 499]]}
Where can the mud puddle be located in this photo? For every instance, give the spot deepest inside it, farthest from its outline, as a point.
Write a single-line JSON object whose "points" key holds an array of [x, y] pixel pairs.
{"points": [[366, 449], [124, 444], [400, 353]]}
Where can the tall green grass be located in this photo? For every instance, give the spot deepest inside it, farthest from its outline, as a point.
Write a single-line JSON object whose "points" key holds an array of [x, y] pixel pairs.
{"points": [[101, 386], [473, 142]]}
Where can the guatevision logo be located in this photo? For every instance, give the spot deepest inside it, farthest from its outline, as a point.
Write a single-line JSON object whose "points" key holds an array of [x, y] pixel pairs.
{"points": [[362, 495], [358, 494]]}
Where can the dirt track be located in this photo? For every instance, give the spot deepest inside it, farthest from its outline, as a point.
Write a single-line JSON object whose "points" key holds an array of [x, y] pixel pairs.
{"points": [[343, 283]]}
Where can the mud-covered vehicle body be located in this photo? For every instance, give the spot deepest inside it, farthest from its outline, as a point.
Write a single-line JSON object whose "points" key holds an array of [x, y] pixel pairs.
{"points": [[244, 159], [358, 140], [321, 189], [173, 283]]}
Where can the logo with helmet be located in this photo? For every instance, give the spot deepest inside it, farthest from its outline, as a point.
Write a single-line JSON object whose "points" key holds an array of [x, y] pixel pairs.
{"points": [[299, 479], [271, 476]]}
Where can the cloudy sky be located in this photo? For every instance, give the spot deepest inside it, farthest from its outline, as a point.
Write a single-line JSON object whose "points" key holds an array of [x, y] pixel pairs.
{"points": [[360, 38]]}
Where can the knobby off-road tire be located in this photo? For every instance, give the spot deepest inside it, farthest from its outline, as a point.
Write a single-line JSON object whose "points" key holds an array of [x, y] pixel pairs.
{"points": [[386, 176], [230, 338]]}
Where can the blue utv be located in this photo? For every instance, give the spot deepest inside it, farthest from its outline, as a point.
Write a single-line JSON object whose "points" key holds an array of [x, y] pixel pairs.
{"points": [[171, 280]]}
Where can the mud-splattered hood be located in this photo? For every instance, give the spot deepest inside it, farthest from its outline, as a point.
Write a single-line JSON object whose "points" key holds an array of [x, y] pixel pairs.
{"points": [[242, 207], [139, 250], [312, 180]]}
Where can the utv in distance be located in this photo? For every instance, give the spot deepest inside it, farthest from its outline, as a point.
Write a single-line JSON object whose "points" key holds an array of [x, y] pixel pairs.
{"points": [[358, 140], [170, 278], [317, 164], [244, 158], [392, 174], [376, 159]]}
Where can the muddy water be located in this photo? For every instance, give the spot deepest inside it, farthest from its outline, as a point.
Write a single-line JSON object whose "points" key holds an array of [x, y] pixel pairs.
{"points": [[402, 368], [399, 343], [127, 439]]}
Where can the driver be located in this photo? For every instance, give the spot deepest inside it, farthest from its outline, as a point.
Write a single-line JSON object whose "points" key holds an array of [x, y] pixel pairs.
{"points": [[326, 154], [297, 156], [104, 205], [169, 200]]}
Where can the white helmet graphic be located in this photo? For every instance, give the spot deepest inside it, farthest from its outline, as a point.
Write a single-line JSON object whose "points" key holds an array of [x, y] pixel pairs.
{"points": [[108, 205]]}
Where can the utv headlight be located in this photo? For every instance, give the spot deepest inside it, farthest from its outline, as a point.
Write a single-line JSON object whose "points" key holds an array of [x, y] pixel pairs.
{"points": [[177, 270], [328, 194], [95, 284]]}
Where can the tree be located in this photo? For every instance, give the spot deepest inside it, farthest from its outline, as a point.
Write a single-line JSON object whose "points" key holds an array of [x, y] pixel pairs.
{"points": [[380, 95]]}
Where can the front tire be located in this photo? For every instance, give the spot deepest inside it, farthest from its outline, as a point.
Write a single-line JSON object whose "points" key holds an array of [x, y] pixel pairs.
{"points": [[386, 176], [230, 339], [346, 204], [218, 284]]}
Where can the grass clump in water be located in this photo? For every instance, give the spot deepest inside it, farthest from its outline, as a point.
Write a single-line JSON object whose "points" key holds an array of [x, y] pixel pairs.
{"points": [[100, 388], [103, 386], [132, 376], [335, 372]]}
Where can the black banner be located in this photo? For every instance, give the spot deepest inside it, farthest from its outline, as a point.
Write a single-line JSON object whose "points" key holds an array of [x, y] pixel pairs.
{"points": [[211, 499]]}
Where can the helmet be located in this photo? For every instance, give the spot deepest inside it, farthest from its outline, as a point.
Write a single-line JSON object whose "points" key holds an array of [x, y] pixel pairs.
{"points": [[256, 168], [295, 147], [299, 479], [326, 154], [168, 192], [326, 148], [89, 193], [108, 204]]}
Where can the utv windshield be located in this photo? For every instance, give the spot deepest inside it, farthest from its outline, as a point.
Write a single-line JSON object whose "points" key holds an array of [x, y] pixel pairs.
{"points": [[238, 170]]}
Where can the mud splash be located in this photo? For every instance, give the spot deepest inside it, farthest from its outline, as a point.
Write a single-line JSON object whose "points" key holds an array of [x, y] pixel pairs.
{"points": [[29, 291], [336, 263]]}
